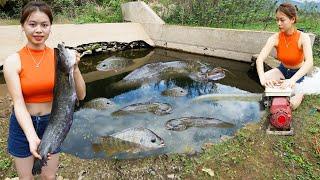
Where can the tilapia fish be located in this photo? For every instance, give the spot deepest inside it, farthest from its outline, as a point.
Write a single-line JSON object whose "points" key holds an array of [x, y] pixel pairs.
{"points": [[184, 123], [64, 99], [157, 108], [230, 97], [99, 104], [175, 92], [114, 63], [131, 140], [154, 71]]}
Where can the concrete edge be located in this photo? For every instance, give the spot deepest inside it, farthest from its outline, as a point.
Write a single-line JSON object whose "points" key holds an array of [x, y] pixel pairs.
{"points": [[207, 51], [139, 12]]}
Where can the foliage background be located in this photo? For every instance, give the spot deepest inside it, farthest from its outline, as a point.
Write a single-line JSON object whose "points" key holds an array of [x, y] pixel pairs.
{"points": [[74, 11], [237, 14]]}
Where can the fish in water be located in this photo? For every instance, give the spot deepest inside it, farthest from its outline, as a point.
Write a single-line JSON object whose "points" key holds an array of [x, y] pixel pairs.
{"points": [[131, 140], [157, 108], [154, 71], [64, 100], [99, 104], [114, 63], [230, 97], [184, 123], [175, 92], [215, 74], [207, 74]]}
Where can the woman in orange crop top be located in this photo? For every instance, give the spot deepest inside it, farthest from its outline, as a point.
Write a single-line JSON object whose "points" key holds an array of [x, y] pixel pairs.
{"points": [[29, 76], [294, 51]]}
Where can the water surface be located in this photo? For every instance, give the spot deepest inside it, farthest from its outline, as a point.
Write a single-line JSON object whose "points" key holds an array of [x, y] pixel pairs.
{"points": [[89, 124]]}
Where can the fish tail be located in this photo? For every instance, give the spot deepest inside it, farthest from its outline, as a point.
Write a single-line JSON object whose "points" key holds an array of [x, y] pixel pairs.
{"points": [[37, 166]]}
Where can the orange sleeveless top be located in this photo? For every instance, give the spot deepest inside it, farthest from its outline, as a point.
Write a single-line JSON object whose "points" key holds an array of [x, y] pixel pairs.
{"points": [[37, 82], [288, 51]]}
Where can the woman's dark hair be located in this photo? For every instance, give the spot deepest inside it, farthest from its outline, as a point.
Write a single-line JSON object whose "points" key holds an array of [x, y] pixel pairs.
{"points": [[289, 10], [35, 6]]}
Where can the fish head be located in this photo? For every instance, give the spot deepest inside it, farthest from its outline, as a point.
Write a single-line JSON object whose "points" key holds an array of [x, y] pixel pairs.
{"points": [[176, 124], [179, 91], [216, 74], [66, 58], [162, 108], [152, 140], [103, 66]]}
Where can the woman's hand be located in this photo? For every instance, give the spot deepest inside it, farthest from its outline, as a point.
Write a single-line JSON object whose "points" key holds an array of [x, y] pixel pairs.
{"points": [[287, 83], [270, 83], [33, 146]]}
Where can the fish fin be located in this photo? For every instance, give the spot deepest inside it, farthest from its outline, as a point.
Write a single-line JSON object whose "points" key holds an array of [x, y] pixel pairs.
{"points": [[37, 166]]}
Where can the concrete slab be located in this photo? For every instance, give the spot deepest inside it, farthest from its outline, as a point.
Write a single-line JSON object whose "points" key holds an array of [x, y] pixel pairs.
{"points": [[270, 62], [3, 90], [139, 12], [12, 38], [226, 43]]}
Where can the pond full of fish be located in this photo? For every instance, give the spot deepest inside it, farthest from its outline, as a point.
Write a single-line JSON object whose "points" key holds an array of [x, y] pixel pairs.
{"points": [[149, 99], [141, 103]]}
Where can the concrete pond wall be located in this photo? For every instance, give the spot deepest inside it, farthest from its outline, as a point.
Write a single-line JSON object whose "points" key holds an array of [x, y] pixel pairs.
{"points": [[12, 37], [225, 43]]}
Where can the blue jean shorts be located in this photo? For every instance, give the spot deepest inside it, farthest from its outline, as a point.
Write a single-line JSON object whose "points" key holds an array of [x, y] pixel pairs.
{"points": [[288, 73], [18, 144]]}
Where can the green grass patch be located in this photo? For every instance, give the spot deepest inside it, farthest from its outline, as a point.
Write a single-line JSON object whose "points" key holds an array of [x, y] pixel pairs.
{"points": [[253, 154]]}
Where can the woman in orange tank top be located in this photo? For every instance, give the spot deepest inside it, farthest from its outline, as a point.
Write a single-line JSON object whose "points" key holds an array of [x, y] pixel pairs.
{"points": [[29, 76], [294, 51]]}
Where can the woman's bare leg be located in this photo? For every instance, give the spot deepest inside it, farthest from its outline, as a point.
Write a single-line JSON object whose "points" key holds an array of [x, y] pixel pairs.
{"points": [[49, 172], [24, 167], [296, 100], [274, 74]]}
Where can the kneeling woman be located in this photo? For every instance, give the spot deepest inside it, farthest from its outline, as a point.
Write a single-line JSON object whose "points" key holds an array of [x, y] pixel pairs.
{"points": [[294, 51]]}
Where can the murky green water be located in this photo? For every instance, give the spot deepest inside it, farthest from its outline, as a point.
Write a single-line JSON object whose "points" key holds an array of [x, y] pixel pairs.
{"points": [[89, 124]]}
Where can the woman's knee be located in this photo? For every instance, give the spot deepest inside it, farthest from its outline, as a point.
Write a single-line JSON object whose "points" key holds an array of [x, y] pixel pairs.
{"points": [[296, 100], [274, 74]]}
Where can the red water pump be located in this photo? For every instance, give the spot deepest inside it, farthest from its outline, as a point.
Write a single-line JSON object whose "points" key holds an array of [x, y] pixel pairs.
{"points": [[280, 113]]}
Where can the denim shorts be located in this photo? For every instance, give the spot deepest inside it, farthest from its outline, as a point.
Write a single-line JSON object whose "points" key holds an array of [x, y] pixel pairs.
{"points": [[288, 73], [18, 144]]}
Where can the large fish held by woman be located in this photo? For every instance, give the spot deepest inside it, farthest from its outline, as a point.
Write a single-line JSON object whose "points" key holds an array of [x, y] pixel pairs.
{"points": [[64, 100]]}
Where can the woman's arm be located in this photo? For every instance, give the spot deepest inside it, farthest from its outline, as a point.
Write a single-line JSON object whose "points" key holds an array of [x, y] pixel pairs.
{"points": [[78, 79], [11, 69], [263, 55], [308, 63]]}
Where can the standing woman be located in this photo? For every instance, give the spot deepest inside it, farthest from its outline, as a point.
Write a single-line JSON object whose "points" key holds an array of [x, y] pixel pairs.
{"points": [[294, 51], [29, 76]]}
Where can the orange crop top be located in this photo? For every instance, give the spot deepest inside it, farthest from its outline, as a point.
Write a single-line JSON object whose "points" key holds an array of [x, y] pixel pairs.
{"points": [[37, 82], [288, 51]]}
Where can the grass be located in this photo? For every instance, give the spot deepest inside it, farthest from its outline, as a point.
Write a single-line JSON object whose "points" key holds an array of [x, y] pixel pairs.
{"points": [[253, 154]]}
